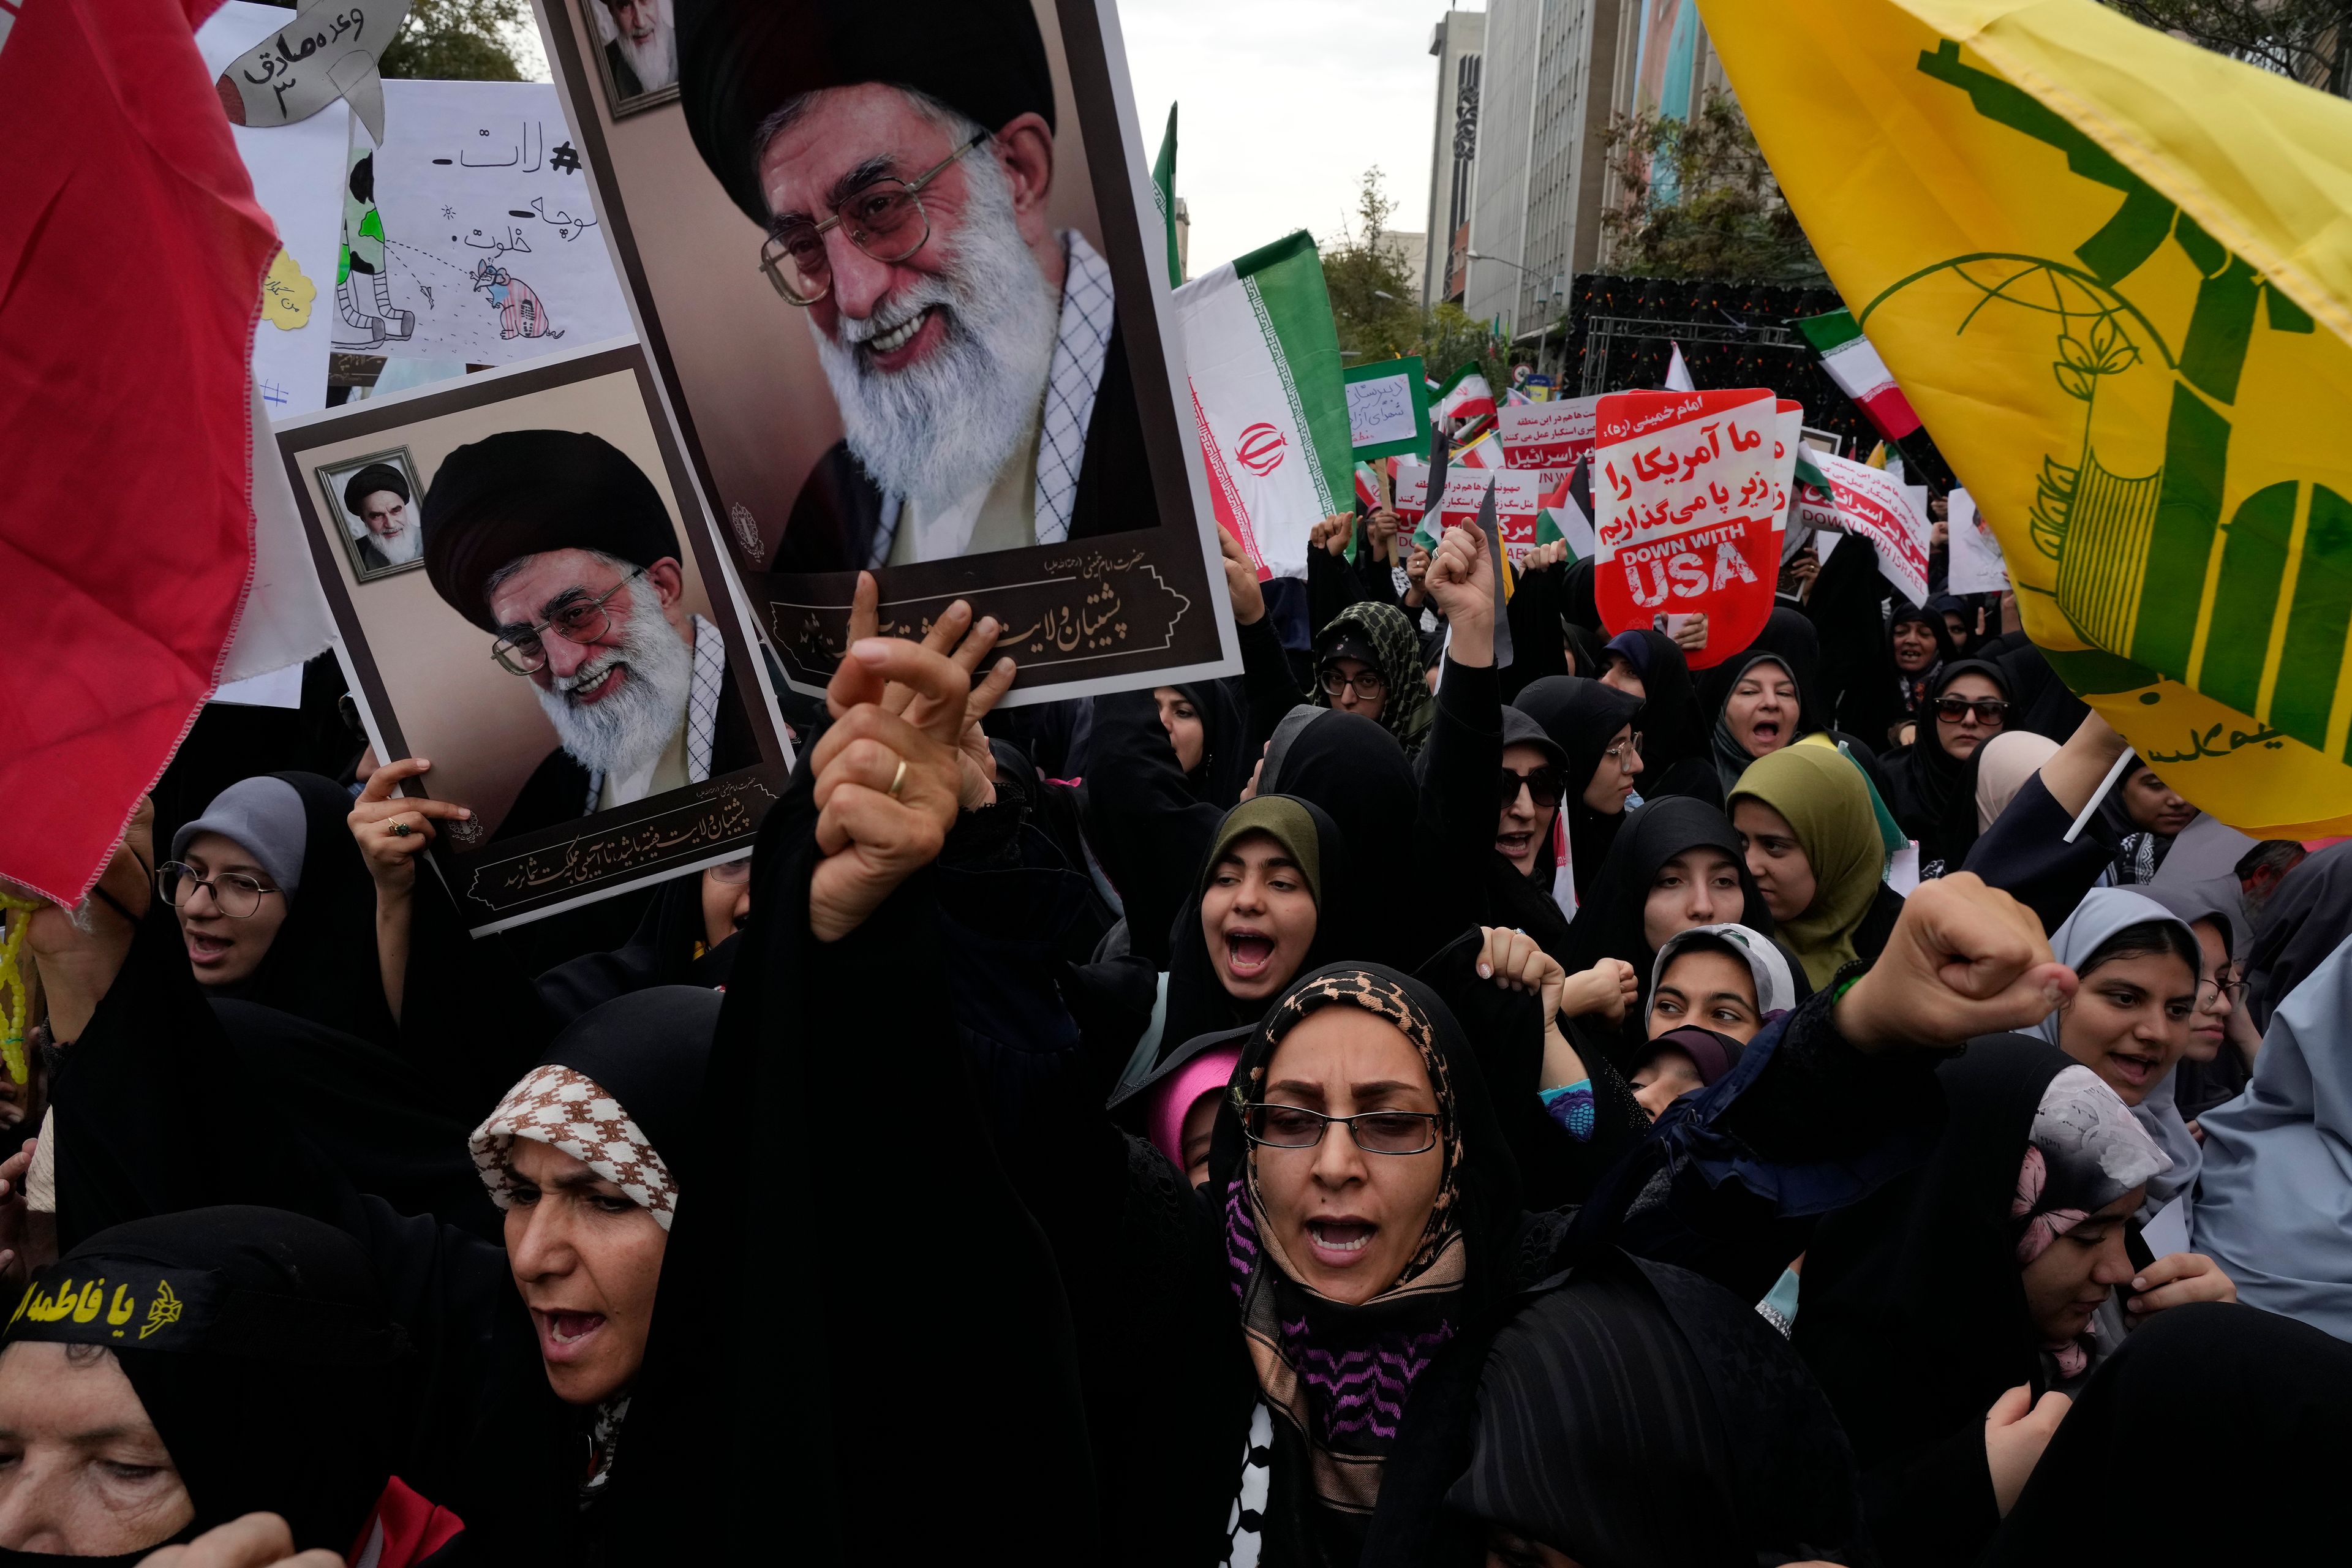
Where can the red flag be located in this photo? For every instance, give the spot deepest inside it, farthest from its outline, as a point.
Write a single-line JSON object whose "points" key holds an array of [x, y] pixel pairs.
{"points": [[132, 253]]}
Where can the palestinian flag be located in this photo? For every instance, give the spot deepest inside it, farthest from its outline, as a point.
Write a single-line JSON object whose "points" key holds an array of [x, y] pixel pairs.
{"points": [[1268, 398], [1860, 374], [1561, 518], [1464, 395]]}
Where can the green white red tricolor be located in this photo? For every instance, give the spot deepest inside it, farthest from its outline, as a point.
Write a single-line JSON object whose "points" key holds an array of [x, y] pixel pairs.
{"points": [[1860, 374]]}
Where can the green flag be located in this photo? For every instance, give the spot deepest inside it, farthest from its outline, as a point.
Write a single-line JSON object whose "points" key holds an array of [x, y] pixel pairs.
{"points": [[1163, 192]]}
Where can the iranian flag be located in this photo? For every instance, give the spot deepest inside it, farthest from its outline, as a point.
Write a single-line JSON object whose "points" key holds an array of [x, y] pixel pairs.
{"points": [[1268, 398], [1860, 374], [1464, 395]]}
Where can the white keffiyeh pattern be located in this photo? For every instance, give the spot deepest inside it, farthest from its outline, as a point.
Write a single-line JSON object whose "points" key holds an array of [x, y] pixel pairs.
{"points": [[1089, 313], [570, 1110], [701, 710]]}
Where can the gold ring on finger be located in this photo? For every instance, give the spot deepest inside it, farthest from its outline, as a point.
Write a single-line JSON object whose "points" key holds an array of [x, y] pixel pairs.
{"points": [[899, 779], [399, 828]]}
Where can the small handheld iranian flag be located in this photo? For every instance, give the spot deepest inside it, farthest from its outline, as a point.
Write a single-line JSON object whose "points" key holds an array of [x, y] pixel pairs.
{"points": [[1464, 395], [1860, 374], [1268, 398], [1163, 195]]}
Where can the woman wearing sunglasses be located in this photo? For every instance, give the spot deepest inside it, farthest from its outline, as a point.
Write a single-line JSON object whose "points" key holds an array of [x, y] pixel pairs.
{"points": [[1934, 779]]}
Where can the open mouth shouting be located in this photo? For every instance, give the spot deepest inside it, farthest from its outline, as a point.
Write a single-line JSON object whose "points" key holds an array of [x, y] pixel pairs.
{"points": [[1249, 953], [1517, 847], [565, 1336], [208, 950], [1767, 733], [1340, 1241], [2137, 1070]]}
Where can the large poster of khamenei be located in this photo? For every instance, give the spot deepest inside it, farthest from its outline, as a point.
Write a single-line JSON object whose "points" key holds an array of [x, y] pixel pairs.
{"points": [[559, 639], [900, 267]]}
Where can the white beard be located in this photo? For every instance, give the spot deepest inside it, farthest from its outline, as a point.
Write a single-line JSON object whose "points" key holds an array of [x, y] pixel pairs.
{"points": [[654, 60], [949, 423], [626, 730], [400, 551]]}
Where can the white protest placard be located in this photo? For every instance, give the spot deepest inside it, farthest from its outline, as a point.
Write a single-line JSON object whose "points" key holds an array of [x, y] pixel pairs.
{"points": [[1836, 493], [486, 227], [1546, 436], [1388, 408], [1976, 566], [1518, 499], [297, 177]]}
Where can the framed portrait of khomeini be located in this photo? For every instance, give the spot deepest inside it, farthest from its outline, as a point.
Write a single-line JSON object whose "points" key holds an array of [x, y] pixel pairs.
{"points": [[637, 53], [375, 498], [900, 269]]}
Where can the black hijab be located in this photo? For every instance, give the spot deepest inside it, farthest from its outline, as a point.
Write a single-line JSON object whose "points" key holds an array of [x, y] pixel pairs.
{"points": [[1425, 1337], [1675, 730], [667, 949], [258, 1342], [1914, 1313], [2305, 921], [1356, 772], [1582, 717], [1609, 916], [1225, 760], [1790, 637], [1197, 1003], [322, 965], [1524, 900], [1914, 688], [1636, 1412], [1935, 791]]}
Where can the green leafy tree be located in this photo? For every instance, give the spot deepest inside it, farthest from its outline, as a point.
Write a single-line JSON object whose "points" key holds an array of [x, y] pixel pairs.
{"points": [[2310, 40], [1697, 199], [1377, 310], [458, 40]]}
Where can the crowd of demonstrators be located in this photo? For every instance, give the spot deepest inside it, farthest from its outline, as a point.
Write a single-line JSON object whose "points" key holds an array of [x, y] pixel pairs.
{"points": [[1386, 1106]]}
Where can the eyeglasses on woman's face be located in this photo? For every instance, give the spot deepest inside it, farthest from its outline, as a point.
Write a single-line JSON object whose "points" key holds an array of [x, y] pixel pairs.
{"points": [[1955, 709], [1630, 746], [732, 873], [2234, 990], [234, 893], [884, 218], [1375, 1132], [1367, 682], [1542, 785]]}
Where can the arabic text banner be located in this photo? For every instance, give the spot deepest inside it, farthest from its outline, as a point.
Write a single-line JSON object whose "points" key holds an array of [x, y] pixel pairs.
{"points": [[1519, 502], [1691, 511], [1847, 497]]}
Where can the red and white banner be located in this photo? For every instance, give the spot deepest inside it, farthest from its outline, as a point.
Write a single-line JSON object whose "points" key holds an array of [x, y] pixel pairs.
{"points": [[1691, 511], [1549, 436], [1847, 497], [1518, 499]]}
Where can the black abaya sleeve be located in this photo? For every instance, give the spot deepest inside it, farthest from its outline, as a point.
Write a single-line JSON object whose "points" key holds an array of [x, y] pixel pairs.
{"points": [[1142, 823], [855, 1287], [1265, 681], [1332, 585], [1454, 829], [2025, 854], [1858, 664], [1539, 648], [1734, 1177]]}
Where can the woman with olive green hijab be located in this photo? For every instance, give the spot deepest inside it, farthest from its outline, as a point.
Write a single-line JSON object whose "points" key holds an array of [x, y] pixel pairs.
{"points": [[1817, 855]]}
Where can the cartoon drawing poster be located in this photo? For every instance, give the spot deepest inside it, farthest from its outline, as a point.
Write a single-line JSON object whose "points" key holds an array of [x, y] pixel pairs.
{"points": [[294, 170], [471, 234]]}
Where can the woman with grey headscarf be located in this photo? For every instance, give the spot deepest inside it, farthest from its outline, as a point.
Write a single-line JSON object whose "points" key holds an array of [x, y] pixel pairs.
{"points": [[2131, 1019], [1948, 1314]]}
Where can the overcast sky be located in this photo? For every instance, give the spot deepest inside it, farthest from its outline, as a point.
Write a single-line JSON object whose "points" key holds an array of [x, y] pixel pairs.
{"points": [[1283, 105]]}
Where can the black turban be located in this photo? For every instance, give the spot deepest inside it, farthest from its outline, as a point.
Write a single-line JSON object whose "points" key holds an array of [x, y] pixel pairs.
{"points": [[523, 492], [738, 61], [373, 478], [259, 1345]]}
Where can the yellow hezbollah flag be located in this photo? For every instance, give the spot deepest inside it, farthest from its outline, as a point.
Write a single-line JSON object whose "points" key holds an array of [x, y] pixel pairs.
{"points": [[2111, 272]]}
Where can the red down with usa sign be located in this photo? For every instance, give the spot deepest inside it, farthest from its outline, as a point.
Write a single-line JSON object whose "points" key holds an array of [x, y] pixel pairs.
{"points": [[1691, 499]]}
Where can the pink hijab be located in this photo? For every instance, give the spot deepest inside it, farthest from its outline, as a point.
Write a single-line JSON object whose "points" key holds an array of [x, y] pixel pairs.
{"points": [[1172, 1098]]}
